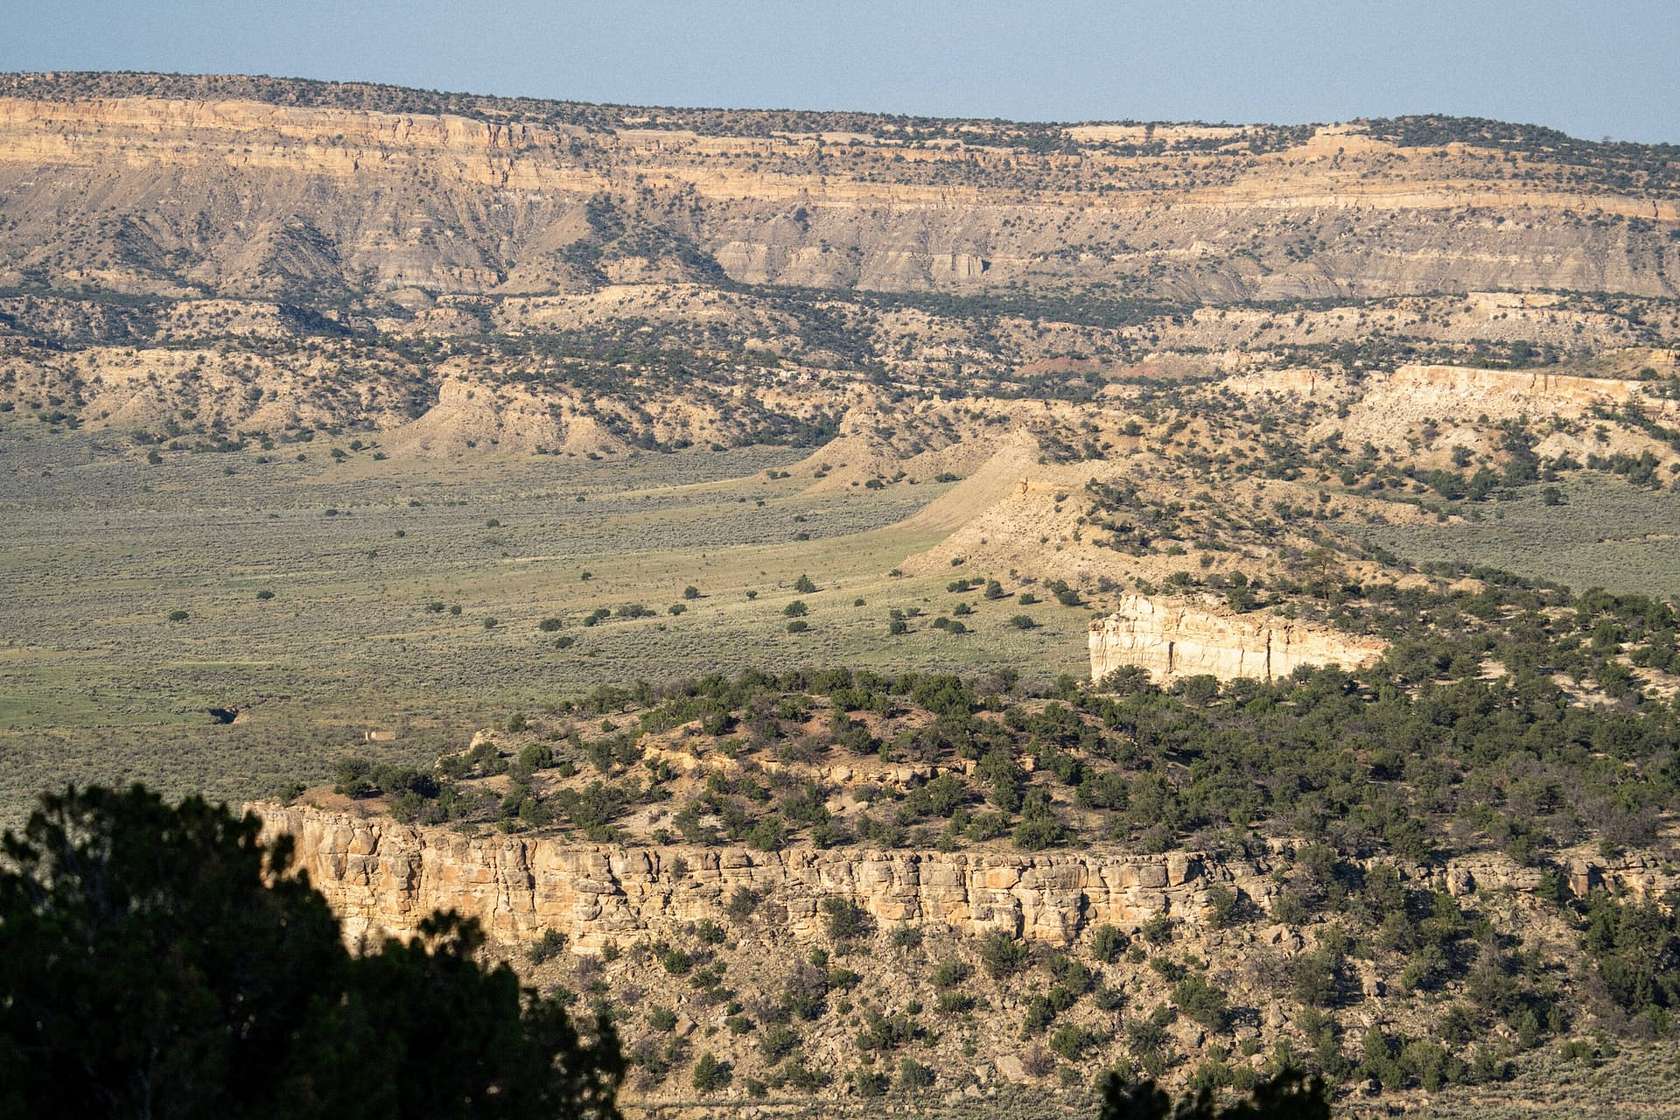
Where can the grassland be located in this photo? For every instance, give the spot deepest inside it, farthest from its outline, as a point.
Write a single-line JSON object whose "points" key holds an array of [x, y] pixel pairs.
{"points": [[1630, 1079], [98, 550], [1606, 533], [324, 599], [1617, 1080]]}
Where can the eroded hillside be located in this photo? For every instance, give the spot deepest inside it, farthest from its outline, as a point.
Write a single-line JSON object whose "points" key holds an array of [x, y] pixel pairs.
{"points": [[334, 417], [479, 196]]}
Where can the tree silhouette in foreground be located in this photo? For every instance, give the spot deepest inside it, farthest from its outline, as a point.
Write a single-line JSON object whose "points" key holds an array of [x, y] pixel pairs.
{"points": [[162, 961], [1288, 1096]]}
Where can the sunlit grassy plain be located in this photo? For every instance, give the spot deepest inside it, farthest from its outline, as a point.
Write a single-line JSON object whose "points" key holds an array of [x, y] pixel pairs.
{"points": [[98, 548], [1606, 533], [97, 683]]}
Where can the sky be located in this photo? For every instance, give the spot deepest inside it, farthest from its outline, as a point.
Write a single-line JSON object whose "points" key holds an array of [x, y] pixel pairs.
{"points": [[1594, 69]]}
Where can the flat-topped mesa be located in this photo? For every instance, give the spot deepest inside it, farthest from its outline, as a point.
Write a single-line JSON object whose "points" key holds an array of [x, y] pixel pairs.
{"points": [[1178, 640], [254, 187]]}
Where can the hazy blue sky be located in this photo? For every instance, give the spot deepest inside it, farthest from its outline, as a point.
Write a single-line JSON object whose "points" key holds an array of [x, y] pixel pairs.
{"points": [[1610, 67]]}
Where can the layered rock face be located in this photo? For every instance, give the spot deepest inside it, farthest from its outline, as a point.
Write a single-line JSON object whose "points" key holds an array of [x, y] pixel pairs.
{"points": [[1177, 640], [180, 187], [383, 878]]}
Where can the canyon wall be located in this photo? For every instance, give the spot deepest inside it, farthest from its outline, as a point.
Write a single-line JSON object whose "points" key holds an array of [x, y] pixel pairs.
{"points": [[382, 877], [1177, 640]]}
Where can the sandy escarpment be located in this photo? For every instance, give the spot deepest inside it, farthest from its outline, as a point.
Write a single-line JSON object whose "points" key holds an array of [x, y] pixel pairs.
{"points": [[1179, 640], [243, 196], [383, 877]]}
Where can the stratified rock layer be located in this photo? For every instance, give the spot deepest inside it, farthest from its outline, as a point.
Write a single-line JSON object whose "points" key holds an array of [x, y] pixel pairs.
{"points": [[382, 877], [149, 184], [1176, 640]]}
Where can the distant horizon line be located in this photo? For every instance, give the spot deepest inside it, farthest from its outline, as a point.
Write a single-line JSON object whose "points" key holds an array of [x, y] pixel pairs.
{"points": [[880, 113]]}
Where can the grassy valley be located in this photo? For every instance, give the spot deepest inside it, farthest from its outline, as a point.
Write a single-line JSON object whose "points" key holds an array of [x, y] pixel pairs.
{"points": [[888, 611]]}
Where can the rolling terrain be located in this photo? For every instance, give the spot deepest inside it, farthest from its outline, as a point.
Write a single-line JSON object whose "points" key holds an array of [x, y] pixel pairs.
{"points": [[884, 605]]}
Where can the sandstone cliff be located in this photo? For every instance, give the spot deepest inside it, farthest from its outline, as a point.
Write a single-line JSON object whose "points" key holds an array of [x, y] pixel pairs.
{"points": [[224, 189], [382, 877], [1178, 640]]}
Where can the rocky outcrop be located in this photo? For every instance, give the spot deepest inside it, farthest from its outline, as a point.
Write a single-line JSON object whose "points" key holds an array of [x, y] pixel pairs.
{"points": [[1413, 394], [382, 877], [1178, 640], [241, 196]]}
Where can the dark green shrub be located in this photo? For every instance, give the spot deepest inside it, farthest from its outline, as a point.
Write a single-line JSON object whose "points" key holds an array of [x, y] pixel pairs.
{"points": [[710, 1075], [1002, 955]]}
